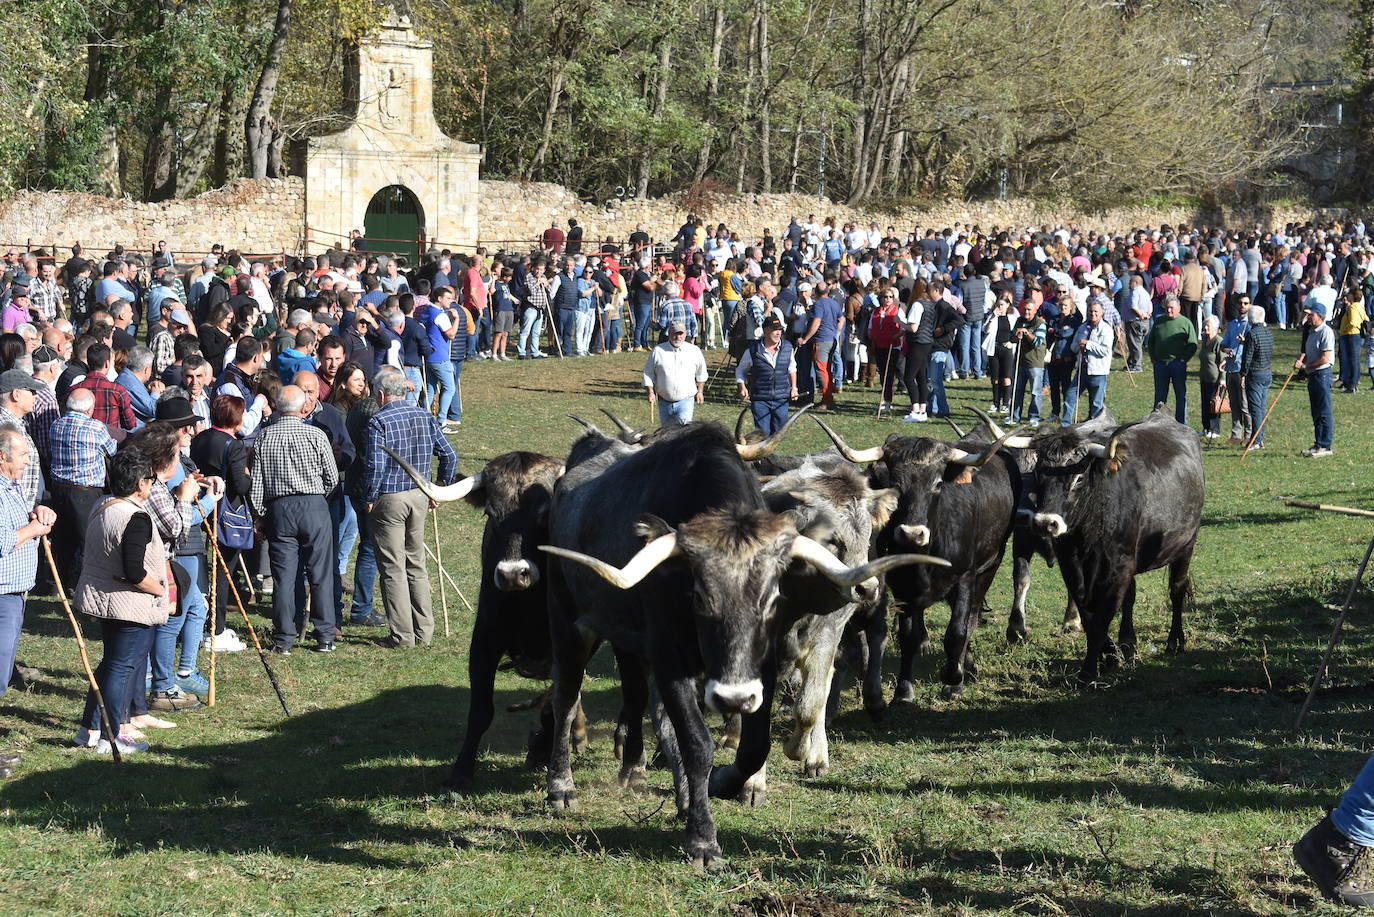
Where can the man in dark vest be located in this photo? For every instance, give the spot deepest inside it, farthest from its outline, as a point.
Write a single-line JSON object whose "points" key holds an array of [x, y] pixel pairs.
{"points": [[767, 377]]}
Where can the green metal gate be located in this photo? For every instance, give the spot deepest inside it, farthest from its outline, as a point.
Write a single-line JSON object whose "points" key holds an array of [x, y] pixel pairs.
{"points": [[394, 223]]}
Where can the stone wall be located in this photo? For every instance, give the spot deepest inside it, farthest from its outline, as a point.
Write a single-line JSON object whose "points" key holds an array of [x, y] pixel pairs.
{"points": [[264, 216], [517, 212], [268, 215]]}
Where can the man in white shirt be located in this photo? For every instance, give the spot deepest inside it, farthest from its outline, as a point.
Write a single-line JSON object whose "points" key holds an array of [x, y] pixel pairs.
{"points": [[675, 376]]}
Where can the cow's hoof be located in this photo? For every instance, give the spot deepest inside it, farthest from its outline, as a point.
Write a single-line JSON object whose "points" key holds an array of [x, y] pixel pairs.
{"points": [[618, 742], [905, 693], [1016, 635], [560, 801], [1174, 647], [459, 783], [580, 744], [705, 857], [876, 709], [632, 778], [950, 692], [753, 793], [816, 769], [728, 743], [1071, 627]]}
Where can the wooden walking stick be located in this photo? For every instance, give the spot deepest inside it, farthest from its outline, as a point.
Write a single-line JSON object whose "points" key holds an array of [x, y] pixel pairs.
{"points": [[248, 580], [212, 552], [439, 562], [1345, 609], [444, 575], [111, 727], [262, 654], [1259, 429]]}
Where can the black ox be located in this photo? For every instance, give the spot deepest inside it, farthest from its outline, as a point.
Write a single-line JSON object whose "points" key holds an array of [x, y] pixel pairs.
{"points": [[515, 491], [669, 552], [1117, 503], [956, 501]]}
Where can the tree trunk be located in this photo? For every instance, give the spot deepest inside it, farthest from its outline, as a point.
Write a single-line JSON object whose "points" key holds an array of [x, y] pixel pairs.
{"points": [[219, 174], [196, 156], [665, 63], [98, 90], [795, 166], [551, 102], [765, 93], [712, 89], [260, 131], [1361, 41]]}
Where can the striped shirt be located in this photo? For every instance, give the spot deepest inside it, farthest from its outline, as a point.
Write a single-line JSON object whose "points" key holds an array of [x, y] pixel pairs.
{"points": [[412, 434], [31, 483], [79, 445], [39, 421], [18, 564], [291, 459]]}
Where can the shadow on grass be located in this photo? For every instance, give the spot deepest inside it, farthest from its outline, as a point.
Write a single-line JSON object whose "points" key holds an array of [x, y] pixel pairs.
{"points": [[326, 785]]}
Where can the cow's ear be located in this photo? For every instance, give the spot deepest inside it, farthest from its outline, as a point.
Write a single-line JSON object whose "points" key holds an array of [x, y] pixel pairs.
{"points": [[804, 497], [650, 527], [881, 504]]}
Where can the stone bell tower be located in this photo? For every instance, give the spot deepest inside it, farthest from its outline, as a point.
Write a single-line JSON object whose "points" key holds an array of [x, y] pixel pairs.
{"points": [[391, 172]]}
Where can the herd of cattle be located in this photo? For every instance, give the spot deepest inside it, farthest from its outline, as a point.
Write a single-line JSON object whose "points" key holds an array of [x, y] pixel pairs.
{"points": [[717, 564]]}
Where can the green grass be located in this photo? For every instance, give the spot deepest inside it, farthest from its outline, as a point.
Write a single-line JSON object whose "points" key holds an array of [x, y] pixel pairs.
{"points": [[1175, 790]]}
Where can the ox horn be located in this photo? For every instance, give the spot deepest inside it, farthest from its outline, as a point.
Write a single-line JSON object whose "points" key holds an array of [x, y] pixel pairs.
{"points": [[859, 456], [834, 569], [628, 434], [1109, 451], [752, 452], [639, 566], [438, 494], [586, 424], [961, 434], [1017, 442], [979, 459], [739, 424]]}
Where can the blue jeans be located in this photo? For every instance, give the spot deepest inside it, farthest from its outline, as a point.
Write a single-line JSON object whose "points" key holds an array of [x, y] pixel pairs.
{"points": [[531, 324], [346, 525], [939, 361], [567, 330], [1354, 817], [1319, 397], [480, 342], [189, 625], [120, 673], [1350, 359], [677, 411], [365, 569], [1096, 387], [1257, 398], [11, 619], [769, 416], [1034, 378], [641, 313], [416, 375], [455, 407], [439, 379], [610, 335], [1175, 373], [971, 357]]}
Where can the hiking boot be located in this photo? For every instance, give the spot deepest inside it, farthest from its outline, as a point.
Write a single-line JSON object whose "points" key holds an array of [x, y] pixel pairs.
{"points": [[172, 700], [1339, 866]]}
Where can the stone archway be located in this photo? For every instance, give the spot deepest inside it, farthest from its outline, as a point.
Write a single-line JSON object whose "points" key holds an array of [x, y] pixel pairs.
{"points": [[395, 223]]}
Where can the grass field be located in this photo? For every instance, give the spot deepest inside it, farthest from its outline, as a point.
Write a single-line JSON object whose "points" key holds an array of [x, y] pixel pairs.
{"points": [[1175, 790]]}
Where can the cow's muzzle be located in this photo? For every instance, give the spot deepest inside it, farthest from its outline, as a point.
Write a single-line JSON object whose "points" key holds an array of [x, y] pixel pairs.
{"points": [[515, 575], [917, 536], [1051, 524], [744, 697]]}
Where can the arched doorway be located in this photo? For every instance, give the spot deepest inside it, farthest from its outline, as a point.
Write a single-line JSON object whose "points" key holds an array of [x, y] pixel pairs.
{"points": [[394, 222]]}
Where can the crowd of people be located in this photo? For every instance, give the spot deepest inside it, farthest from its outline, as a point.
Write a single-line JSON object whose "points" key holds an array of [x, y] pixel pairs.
{"points": [[173, 426]]}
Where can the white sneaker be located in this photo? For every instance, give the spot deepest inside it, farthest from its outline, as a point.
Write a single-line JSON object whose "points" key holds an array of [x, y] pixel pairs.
{"points": [[126, 746], [884, 405], [226, 642], [923, 417], [1320, 452], [913, 417], [84, 738]]}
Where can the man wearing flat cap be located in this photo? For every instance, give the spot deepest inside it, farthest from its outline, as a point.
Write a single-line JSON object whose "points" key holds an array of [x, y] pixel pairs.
{"points": [[675, 376], [17, 392]]}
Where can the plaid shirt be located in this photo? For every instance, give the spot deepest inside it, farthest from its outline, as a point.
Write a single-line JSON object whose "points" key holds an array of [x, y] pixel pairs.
{"points": [[412, 434], [672, 309], [39, 423], [18, 564], [46, 299], [79, 445], [112, 404], [291, 459], [171, 517], [31, 483], [163, 345]]}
